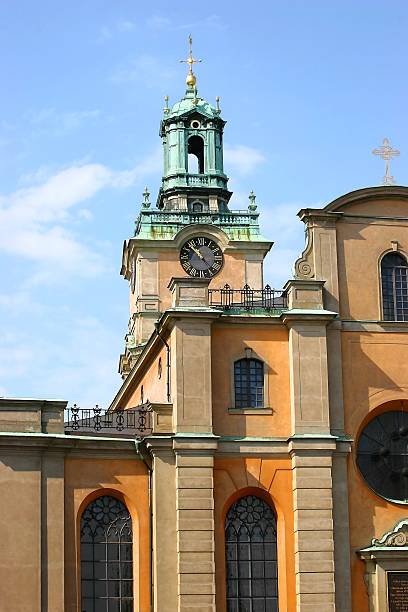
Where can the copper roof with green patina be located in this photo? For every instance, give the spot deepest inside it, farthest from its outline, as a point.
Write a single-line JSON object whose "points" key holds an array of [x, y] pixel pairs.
{"points": [[192, 103]]}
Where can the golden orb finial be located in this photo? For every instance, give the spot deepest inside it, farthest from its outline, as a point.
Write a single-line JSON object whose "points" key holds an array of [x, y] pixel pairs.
{"points": [[191, 79]]}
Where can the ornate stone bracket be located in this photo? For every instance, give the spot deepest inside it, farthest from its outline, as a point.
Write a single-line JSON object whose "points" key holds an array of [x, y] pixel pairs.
{"points": [[386, 554], [304, 266], [397, 537]]}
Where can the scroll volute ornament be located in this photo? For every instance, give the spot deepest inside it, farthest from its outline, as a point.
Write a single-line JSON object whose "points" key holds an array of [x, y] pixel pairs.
{"points": [[397, 537], [304, 267]]}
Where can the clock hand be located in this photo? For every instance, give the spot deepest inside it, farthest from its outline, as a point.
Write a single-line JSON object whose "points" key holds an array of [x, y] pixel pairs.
{"points": [[196, 251]]}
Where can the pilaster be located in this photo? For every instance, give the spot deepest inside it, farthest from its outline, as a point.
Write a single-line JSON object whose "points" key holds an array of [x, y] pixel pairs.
{"points": [[191, 356], [311, 448], [313, 525], [341, 527], [147, 303], [164, 532], [195, 523], [307, 321], [52, 532]]}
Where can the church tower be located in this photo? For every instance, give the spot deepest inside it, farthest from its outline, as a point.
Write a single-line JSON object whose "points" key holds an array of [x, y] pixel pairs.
{"points": [[191, 231]]}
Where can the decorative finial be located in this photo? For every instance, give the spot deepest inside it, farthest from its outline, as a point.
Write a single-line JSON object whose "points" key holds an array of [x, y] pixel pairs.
{"points": [[252, 205], [166, 109], [217, 100], [191, 79], [146, 198], [387, 153]]}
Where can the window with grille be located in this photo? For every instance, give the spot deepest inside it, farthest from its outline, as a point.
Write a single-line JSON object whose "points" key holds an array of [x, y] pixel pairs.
{"points": [[249, 383], [106, 557], [394, 283], [251, 556]]}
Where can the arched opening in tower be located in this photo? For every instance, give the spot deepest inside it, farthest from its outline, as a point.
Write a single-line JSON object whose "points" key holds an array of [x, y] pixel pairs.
{"points": [[195, 155]]}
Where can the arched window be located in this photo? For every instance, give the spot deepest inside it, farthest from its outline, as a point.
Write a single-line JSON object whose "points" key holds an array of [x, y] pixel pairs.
{"points": [[249, 383], [106, 557], [197, 207], [195, 155], [394, 277], [251, 556]]}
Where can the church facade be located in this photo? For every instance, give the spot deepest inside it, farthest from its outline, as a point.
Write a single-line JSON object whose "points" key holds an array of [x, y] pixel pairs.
{"points": [[254, 458]]}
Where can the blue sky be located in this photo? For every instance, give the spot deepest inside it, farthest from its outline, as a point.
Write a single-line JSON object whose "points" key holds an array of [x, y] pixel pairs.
{"points": [[308, 89]]}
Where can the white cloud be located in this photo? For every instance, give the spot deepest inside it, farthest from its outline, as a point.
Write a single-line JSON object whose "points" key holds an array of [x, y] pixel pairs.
{"points": [[242, 159], [146, 69], [85, 213], [162, 22], [60, 121], [35, 221], [159, 22], [122, 26], [104, 34], [39, 368], [125, 25]]}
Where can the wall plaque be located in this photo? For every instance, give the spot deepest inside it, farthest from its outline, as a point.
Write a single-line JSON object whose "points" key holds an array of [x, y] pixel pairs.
{"points": [[397, 591]]}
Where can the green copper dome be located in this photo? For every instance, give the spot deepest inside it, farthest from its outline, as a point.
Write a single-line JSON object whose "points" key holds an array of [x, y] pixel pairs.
{"points": [[192, 103]]}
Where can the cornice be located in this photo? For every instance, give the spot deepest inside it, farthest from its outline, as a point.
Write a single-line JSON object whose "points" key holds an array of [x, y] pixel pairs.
{"points": [[367, 193], [67, 445]]}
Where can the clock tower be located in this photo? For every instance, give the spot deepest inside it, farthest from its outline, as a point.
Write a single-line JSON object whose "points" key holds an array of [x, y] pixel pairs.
{"points": [[191, 231]]}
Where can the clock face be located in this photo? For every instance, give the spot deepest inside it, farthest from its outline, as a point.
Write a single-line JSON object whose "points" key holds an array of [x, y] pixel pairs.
{"points": [[201, 257]]}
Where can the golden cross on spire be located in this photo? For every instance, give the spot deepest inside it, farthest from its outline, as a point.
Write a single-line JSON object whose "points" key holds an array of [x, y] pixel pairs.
{"points": [[387, 153], [191, 79]]}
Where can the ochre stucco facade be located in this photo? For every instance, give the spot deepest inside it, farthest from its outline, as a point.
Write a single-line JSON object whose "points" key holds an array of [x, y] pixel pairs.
{"points": [[236, 429]]}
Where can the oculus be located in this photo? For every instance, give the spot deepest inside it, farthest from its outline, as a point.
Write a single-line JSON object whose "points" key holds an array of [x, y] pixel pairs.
{"points": [[382, 455], [201, 257]]}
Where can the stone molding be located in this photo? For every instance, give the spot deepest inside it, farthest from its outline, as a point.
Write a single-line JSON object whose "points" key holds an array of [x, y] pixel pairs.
{"points": [[304, 294], [189, 292], [162, 418], [32, 415]]}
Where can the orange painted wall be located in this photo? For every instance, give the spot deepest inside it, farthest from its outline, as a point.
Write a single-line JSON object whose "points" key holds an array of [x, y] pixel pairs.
{"points": [[154, 388], [126, 479], [270, 479], [269, 343], [375, 379], [360, 246]]}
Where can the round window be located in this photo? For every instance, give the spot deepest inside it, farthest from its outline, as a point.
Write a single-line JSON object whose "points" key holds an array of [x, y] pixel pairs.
{"points": [[195, 124], [382, 455]]}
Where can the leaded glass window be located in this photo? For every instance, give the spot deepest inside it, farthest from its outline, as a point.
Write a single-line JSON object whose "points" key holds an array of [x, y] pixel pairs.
{"points": [[251, 556], [249, 383], [106, 557], [394, 282]]}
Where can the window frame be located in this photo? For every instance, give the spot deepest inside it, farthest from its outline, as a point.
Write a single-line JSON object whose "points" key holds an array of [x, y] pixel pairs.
{"points": [[252, 541], [85, 505], [402, 254], [249, 353]]}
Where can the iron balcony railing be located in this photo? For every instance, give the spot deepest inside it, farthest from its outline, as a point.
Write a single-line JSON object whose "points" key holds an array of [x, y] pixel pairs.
{"points": [[272, 300], [134, 422]]}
